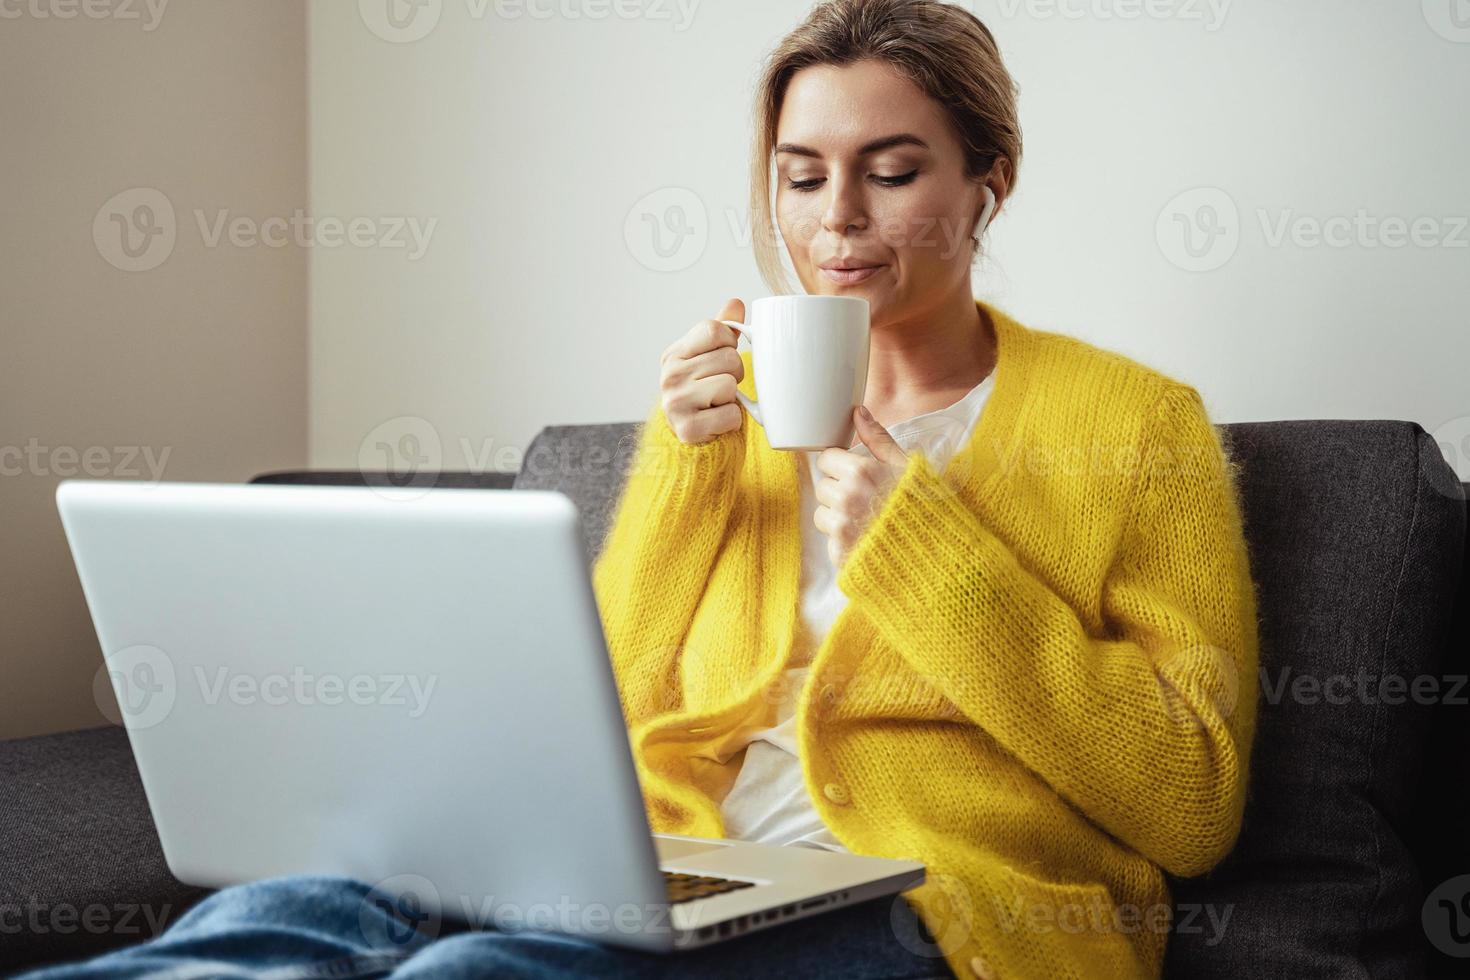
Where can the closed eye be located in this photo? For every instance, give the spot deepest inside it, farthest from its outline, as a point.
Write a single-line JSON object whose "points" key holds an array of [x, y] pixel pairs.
{"points": [[813, 183]]}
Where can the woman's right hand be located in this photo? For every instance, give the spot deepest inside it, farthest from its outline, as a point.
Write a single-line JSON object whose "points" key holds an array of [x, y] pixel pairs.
{"points": [[698, 374]]}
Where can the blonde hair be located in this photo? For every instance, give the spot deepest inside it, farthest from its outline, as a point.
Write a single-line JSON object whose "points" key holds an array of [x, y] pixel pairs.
{"points": [[943, 49]]}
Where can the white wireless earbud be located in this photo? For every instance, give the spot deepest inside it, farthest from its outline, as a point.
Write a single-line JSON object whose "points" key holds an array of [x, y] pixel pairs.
{"points": [[984, 221]]}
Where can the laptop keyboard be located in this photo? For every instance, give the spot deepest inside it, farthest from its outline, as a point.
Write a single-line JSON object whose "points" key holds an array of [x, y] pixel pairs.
{"points": [[687, 887]]}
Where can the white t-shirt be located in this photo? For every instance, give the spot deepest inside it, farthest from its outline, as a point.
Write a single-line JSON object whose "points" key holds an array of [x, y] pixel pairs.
{"points": [[768, 802]]}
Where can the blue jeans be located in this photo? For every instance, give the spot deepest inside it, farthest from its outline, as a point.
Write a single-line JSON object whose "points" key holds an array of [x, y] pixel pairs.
{"points": [[321, 926]]}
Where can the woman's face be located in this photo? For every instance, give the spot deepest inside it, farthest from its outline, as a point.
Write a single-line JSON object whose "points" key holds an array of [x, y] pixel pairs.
{"points": [[871, 196]]}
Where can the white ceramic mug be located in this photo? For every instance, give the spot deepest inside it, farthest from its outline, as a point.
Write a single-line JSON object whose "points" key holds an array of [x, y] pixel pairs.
{"points": [[810, 356]]}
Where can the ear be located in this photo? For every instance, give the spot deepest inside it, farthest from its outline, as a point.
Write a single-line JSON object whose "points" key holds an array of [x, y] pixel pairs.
{"points": [[996, 190], [987, 212]]}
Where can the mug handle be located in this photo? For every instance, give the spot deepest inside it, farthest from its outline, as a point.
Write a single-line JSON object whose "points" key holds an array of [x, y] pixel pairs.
{"points": [[750, 406]]}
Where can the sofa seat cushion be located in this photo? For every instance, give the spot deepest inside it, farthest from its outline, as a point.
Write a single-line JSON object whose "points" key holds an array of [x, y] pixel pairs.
{"points": [[83, 870]]}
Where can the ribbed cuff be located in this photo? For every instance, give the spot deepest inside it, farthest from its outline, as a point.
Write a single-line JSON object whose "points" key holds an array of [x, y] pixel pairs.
{"points": [[894, 567], [664, 454]]}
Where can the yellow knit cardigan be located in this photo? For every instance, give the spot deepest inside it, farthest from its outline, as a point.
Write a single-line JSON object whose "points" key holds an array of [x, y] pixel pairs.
{"points": [[1042, 685]]}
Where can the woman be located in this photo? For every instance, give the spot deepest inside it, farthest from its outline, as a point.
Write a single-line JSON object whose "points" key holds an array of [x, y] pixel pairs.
{"points": [[1002, 634]]}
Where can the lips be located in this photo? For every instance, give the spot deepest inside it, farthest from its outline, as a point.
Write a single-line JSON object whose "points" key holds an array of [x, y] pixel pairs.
{"points": [[850, 270], [850, 262], [850, 275]]}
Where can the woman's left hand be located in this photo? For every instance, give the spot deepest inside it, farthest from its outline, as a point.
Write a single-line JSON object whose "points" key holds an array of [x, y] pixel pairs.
{"points": [[855, 486]]}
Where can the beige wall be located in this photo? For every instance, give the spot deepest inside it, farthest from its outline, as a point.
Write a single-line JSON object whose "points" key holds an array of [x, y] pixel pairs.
{"points": [[197, 365]]}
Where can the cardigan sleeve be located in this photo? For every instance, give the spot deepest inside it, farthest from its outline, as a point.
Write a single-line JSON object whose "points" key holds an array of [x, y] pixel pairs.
{"points": [[657, 557], [1146, 729]]}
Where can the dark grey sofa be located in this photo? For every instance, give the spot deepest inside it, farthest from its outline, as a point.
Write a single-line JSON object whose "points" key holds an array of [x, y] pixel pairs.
{"points": [[1351, 858]]}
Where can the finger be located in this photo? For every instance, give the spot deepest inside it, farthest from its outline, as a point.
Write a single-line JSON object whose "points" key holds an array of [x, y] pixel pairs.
{"points": [[733, 309], [723, 360], [842, 464], [711, 392], [706, 335], [825, 519], [879, 441], [828, 491], [690, 397], [711, 422], [847, 466]]}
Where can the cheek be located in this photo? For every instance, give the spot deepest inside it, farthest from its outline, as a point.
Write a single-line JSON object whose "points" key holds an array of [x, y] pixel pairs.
{"points": [[800, 218], [925, 231]]}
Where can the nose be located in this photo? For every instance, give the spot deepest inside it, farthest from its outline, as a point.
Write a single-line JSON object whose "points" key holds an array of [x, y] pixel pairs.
{"points": [[846, 210]]}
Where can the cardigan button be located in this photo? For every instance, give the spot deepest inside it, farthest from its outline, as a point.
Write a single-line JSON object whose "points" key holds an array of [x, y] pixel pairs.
{"points": [[829, 695], [980, 968], [835, 792]]}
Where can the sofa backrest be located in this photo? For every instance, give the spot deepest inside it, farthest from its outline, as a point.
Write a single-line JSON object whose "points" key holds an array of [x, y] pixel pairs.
{"points": [[1356, 531], [588, 463], [381, 479], [1438, 831]]}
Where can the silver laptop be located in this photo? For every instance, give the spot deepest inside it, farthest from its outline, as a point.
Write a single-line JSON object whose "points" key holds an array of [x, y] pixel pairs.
{"points": [[411, 688]]}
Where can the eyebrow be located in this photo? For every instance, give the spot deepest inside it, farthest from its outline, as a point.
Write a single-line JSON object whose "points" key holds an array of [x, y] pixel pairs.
{"points": [[898, 139]]}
